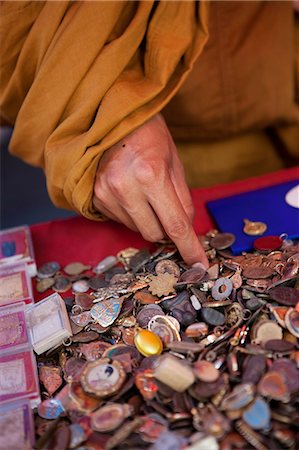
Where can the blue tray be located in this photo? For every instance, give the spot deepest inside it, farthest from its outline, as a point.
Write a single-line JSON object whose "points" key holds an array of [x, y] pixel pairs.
{"points": [[266, 205]]}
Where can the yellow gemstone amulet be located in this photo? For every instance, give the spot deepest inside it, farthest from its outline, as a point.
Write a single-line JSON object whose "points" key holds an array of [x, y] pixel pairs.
{"points": [[148, 343]]}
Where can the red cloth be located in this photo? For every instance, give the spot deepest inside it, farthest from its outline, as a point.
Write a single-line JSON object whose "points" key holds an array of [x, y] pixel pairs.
{"points": [[79, 239]]}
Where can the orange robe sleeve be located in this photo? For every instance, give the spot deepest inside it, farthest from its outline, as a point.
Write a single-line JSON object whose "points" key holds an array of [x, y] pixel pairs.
{"points": [[76, 77]]}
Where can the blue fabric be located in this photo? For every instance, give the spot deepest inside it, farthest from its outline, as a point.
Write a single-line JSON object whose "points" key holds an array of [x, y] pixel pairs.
{"points": [[266, 205]]}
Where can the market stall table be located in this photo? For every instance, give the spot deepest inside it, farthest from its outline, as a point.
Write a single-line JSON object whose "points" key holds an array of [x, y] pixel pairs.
{"points": [[235, 387], [79, 239]]}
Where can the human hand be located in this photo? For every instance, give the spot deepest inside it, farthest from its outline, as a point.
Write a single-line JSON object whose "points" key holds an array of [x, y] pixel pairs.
{"points": [[140, 182]]}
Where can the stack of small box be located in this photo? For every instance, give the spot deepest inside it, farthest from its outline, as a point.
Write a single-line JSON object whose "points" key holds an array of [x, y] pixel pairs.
{"points": [[19, 387], [24, 326]]}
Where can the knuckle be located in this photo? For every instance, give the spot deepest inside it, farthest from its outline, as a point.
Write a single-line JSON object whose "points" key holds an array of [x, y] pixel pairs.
{"points": [[116, 183], [98, 190], [178, 228], [145, 172]]}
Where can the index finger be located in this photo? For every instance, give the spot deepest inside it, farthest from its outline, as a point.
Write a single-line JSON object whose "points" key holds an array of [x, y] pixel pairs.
{"points": [[169, 210]]}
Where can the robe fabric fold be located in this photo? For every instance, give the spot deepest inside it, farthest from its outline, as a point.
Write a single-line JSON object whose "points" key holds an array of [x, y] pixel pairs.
{"points": [[76, 77]]}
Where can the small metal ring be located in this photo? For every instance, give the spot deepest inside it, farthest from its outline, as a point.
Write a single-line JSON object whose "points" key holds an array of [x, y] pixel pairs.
{"points": [[247, 314], [218, 330], [76, 310], [284, 236], [217, 293], [67, 342], [211, 356]]}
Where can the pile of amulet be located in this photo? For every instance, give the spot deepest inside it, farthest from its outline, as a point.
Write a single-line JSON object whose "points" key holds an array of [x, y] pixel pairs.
{"points": [[166, 356]]}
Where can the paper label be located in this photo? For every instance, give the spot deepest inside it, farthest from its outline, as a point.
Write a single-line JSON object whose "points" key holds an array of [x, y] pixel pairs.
{"points": [[12, 377], [12, 287]]}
